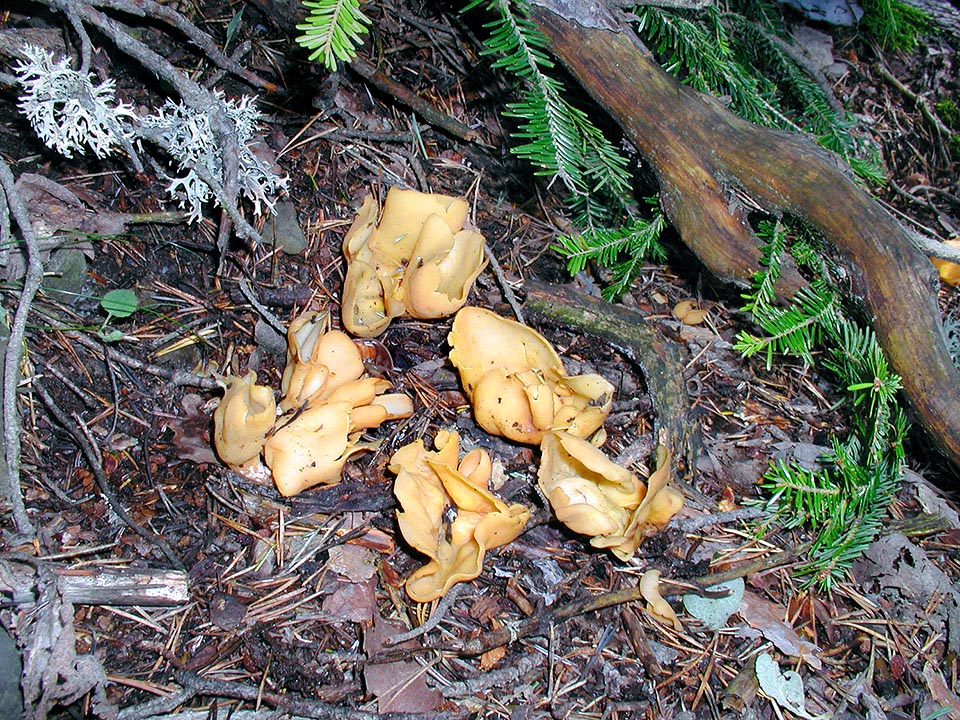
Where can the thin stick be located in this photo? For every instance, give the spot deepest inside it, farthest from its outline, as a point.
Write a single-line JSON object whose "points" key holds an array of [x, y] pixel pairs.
{"points": [[14, 354], [293, 705], [174, 377]]}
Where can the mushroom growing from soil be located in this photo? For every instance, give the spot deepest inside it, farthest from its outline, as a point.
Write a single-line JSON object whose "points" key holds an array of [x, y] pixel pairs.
{"points": [[449, 514], [318, 361], [420, 260], [327, 402], [517, 383], [594, 496], [242, 420]]}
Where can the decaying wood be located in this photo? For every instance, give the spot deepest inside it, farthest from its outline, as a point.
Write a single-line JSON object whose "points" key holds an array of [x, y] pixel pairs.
{"points": [[704, 156], [661, 360], [100, 585]]}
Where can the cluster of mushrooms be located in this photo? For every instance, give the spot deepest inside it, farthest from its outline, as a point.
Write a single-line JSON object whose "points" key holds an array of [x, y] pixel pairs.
{"points": [[420, 260]]}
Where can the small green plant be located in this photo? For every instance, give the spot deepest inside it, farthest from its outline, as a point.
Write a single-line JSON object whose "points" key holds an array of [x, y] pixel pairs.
{"points": [[948, 111], [844, 501], [117, 304], [895, 25], [333, 30]]}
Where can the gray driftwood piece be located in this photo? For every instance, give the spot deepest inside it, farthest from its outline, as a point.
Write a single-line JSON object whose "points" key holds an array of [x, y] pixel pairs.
{"points": [[99, 585]]}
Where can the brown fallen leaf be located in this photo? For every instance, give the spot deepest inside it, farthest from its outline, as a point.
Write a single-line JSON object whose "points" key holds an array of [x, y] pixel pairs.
{"points": [[940, 692], [399, 685], [765, 616]]}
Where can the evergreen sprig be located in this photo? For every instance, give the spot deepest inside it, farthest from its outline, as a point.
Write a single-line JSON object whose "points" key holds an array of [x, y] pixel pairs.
{"points": [[333, 30], [623, 250], [556, 137], [843, 501], [562, 142], [743, 54]]}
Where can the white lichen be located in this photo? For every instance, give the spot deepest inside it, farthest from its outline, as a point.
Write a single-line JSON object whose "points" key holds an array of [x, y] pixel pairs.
{"points": [[187, 135], [66, 109], [70, 114]]}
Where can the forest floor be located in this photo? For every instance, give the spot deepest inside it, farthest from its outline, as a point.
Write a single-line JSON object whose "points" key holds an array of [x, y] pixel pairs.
{"points": [[289, 601]]}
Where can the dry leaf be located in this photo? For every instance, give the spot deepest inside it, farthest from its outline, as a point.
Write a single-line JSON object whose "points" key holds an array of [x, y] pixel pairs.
{"points": [[399, 686], [765, 616]]}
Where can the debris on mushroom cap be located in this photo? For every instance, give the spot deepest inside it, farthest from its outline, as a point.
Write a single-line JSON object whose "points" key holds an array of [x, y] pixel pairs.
{"points": [[319, 361], [949, 271], [310, 447], [242, 419], [419, 261], [594, 496], [449, 514], [517, 383]]}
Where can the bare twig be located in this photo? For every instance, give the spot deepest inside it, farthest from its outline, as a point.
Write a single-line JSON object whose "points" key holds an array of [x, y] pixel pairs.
{"points": [[174, 377], [504, 283], [195, 97], [199, 38], [443, 607], [155, 707], [14, 354], [369, 72]]}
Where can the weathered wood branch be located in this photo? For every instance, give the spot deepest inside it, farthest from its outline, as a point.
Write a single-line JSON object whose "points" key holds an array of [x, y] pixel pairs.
{"points": [[703, 155], [661, 359], [99, 585]]}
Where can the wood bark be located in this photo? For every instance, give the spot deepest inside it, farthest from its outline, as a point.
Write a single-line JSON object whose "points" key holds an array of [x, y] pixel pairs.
{"points": [[705, 156], [661, 359]]}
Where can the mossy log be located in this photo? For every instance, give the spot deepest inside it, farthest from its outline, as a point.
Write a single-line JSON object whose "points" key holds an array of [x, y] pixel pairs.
{"points": [[705, 156]]}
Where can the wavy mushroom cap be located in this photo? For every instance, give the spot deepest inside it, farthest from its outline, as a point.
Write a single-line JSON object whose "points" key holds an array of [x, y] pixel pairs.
{"points": [[322, 365], [417, 261], [449, 514], [312, 448], [241, 421], [481, 340]]}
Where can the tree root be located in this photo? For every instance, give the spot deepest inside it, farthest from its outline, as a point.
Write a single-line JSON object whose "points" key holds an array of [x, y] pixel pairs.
{"points": [[660, 359], [704, 156]]}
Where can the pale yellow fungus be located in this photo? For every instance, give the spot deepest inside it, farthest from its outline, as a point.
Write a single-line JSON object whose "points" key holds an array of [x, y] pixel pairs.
{"points": [[516, 382], [241, 421], [420, 260], [449, 514]]}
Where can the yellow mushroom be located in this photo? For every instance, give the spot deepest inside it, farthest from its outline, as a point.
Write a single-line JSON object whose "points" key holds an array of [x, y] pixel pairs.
{"points": [[419, 260], [594, 496], [449, 514], [659, 608], [949, 271], [328, 404], [516, 382], [312, 448], [242, 419], [318, 361]]}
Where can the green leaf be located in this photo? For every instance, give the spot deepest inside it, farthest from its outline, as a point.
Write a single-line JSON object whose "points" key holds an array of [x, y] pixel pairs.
{"points": [[233, 27], [110, 336], [120, 303]]}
